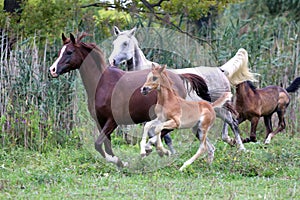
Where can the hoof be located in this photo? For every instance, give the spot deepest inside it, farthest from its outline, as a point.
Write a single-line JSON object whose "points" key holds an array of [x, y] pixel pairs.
{"points": [[148, 151], [143, 155], [267, 141], [253, 139], [247, 140], [160, 153], [182, 168], [232, 142], [169, 153], [125, 164], [242, 149]]}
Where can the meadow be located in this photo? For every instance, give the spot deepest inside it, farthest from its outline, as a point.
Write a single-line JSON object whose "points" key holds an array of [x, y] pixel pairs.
{"points": [[262, 172]]}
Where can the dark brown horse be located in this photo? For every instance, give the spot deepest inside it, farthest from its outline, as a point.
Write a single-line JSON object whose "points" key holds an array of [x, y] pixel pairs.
{"points": [[252, 103], [114, 96]]}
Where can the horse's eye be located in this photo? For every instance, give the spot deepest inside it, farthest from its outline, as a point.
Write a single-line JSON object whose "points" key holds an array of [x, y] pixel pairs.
{"points": [[125, 44], [69, 52], [154, 78]]}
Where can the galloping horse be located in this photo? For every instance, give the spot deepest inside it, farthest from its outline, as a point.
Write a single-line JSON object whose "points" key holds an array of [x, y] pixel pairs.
{"points": [[172, 112], [218, 79], [252, 103], [113, 95]]}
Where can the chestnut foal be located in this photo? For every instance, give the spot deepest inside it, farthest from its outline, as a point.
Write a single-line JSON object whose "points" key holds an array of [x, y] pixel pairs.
{"points": [[174, 112]]}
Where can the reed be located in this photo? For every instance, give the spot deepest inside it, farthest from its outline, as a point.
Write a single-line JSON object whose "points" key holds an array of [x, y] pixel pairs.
{"points": [[36, 111]]}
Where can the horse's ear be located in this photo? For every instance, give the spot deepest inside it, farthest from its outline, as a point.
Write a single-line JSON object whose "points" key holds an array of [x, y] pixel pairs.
{"points": [[153, 67], [64, 38], [73, 40], [132, 32], [162, 68], [116, 31]]}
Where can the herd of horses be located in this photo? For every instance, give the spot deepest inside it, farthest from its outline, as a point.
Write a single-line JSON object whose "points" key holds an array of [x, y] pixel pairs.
{"points": [[168, 99]]}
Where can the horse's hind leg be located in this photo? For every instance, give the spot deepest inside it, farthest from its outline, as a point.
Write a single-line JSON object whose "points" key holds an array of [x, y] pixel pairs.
{"points": [[281, 126], [210, 147], [201, 134], [105, 138], [268, 124], [234, 125], [211, 151]]}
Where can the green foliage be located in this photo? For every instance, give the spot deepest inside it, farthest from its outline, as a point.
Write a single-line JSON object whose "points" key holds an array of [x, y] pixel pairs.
{"points": [[194, 9], [105, 19]]}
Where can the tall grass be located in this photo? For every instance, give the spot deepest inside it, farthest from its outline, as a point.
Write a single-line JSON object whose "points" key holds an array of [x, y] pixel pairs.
{"points": [[35, 111]]}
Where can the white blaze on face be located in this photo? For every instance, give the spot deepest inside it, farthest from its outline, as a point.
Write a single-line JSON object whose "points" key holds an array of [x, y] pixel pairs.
{"points": [[53, 68], [116, 51]]}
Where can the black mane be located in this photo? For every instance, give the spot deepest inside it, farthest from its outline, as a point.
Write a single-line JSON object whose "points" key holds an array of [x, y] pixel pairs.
{"points": [[251, 85]]}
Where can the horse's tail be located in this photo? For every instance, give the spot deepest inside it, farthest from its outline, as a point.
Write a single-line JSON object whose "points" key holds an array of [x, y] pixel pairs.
{"points": [[222, 100], [294, 86], [236, 69], [198, 84]]}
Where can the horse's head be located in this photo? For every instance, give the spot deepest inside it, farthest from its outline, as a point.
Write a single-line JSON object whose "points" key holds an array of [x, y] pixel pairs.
{"points": [[154, 79], [69, 58], [123, 46]]}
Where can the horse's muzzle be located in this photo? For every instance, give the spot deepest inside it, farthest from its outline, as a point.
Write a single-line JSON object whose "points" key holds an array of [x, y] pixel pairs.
{"points": [[53, 74], [145, 90]]}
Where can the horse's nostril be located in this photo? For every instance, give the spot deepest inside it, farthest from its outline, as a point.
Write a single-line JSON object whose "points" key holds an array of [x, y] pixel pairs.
{"points": [[114, 62]]}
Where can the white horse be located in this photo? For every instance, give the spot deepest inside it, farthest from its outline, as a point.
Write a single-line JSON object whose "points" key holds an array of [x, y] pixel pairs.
{"points": [[218, 79]]}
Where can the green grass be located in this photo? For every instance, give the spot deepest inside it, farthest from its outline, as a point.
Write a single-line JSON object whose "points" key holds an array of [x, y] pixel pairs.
{"points": [[263, 172]]}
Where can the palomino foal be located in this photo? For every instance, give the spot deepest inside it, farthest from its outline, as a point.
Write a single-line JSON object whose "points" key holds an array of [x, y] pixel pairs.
{"points": [[174, 112]]}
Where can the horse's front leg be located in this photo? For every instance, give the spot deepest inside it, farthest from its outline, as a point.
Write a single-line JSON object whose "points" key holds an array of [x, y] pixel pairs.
{"points": [[147, 128], [170, 124], [254, 122], [105, 138]]}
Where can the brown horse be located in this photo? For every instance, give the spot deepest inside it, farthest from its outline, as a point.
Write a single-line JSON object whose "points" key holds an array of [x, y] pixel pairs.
{"points": [[252, 103], [113, 95], [174, 112]]}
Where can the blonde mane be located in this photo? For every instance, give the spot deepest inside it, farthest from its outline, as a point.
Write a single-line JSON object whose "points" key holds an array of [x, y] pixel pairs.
{"points": [[168, 83], [237, 70]]}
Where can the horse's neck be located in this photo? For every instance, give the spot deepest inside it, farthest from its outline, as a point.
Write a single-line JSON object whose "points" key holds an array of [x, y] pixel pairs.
{"points": [[90, 74], [90, 77], [140, 61], [243, 91], [166, 95]]}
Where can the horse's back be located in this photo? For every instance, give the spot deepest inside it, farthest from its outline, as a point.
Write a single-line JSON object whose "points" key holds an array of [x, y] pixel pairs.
{"points": [[215, 79], [275, 93]]}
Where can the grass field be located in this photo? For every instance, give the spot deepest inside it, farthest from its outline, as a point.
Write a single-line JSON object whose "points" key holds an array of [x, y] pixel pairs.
{"points": [[263, 172]]}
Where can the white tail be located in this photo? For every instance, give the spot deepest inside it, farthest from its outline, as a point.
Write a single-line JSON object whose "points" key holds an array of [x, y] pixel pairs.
{"points": [[221, 100], [236, 69]]}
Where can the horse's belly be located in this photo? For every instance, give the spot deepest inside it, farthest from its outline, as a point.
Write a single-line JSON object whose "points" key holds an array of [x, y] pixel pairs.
{"points": [[189, 116]]}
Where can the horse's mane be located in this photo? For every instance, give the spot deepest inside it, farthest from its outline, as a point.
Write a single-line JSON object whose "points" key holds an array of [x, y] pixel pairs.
{"points": [[236, 69], [94, 50], [170, 82], [251, 85]]}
